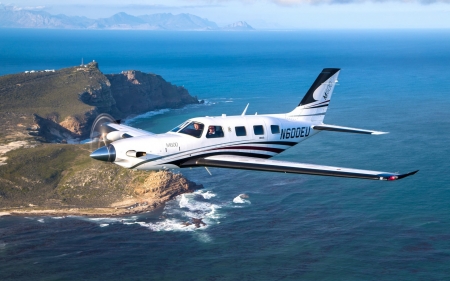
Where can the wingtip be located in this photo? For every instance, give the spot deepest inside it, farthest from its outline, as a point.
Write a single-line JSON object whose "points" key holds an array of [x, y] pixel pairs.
{"points": [[380, 133], [407, 175]]}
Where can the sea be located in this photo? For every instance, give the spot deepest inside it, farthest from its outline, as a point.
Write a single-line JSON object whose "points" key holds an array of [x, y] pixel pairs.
{"points": [[290, 227]]}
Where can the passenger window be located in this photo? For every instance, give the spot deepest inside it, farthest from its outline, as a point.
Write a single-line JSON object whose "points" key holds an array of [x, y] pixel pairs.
{"points": [[214, 132], [258, 130], [240, 131], [194, 129], [275, 129]]}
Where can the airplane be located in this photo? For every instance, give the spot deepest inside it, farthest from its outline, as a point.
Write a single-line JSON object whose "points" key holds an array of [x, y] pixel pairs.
{"points": [[238, 142]]}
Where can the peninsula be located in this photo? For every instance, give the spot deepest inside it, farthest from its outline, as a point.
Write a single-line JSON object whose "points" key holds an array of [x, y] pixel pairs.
{"points": [[43, 168]]}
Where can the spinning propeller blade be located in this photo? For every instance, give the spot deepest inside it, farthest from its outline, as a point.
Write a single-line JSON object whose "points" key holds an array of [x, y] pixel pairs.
{"points": [[99, 131]]}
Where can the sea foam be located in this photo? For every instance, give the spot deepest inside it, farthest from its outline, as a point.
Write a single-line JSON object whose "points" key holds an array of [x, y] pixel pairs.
{"points": [[146, 115], [180, 213], [239, 200]]}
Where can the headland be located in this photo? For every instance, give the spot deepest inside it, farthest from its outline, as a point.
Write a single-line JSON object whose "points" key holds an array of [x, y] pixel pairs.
{"points": [[44, 170]]}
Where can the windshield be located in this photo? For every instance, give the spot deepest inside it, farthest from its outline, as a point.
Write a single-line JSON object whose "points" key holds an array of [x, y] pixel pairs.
{"points": [[194, 129], [177, 128]]}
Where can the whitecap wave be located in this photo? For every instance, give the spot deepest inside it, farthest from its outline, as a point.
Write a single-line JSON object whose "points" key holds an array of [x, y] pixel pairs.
{"points": [[105, 220], [150, 114], [41, 220], [240, 200], [146, 115], [188, 212], [168, 225], [208, 102], [198, 207], [207, 195]]}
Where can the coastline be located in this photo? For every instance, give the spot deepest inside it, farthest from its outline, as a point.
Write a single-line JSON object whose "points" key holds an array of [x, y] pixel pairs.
{"points": [[85, 212], [128, 207], [156, 189]]}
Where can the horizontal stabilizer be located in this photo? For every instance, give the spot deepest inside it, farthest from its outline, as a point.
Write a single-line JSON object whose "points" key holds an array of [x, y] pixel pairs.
{"points": [[341, 129], [251, 163]]}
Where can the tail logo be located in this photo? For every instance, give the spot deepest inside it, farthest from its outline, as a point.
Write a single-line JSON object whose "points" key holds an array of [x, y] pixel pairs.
{"points": [[327, 91]]}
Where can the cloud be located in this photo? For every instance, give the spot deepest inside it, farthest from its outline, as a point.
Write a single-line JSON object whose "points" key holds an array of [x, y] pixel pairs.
{"points": [[288, 3], [315, 2], [26, 8], [156, 7]]}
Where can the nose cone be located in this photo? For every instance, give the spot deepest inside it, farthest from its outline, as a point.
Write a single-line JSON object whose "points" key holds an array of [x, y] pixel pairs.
{"points": [[105, 153]]}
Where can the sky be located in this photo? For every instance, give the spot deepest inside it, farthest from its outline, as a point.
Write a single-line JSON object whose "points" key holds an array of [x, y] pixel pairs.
{"points": [[270, 14]]}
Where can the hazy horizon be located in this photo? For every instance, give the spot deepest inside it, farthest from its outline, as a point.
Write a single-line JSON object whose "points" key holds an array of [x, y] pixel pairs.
{"points": [[270, 14]]}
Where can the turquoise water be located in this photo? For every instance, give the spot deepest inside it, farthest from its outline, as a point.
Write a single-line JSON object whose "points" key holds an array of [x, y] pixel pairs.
{"points": [[292, 227]]}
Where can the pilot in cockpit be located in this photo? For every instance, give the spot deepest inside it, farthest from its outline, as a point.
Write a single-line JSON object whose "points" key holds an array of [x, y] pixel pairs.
{"points": [[198, 130], [214, 132], [211, 132]]}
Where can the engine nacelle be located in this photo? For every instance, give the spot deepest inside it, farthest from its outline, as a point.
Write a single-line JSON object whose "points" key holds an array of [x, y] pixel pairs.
{"points": [[117, 135]]}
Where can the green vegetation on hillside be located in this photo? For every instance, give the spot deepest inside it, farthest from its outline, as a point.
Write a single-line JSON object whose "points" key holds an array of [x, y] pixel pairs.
{"points": [[56, 175], [49, 94]]}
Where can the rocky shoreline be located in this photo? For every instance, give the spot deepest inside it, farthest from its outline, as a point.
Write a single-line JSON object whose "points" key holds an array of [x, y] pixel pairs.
{"points": [[157, 189], [43, 172]]}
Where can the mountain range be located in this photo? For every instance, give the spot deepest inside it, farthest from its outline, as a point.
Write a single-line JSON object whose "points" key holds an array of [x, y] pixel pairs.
{"points": [[11, 17]]}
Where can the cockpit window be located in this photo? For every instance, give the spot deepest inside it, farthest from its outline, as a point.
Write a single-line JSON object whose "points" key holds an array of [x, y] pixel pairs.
{"points": [[177, 128], [194, 129], [214, 132]]}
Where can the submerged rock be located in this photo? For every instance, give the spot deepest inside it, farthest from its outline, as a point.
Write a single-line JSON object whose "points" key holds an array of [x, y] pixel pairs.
{"points": [[198, 222]]}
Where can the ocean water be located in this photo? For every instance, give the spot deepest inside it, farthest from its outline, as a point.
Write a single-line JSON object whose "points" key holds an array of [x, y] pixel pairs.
{"points": [[291, 227]]}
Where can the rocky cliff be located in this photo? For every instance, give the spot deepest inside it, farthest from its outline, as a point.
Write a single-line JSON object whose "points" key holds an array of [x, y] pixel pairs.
{"points": [[62, 104], [39, 178], [55, 178], [136, 92]]}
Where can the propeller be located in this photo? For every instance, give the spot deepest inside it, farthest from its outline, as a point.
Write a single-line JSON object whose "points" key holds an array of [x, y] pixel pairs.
{"points": [[99, 130]]}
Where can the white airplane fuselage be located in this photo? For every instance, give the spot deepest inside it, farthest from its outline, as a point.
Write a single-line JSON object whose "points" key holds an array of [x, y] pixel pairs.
{"points": [[236, 142], [164, 151]]}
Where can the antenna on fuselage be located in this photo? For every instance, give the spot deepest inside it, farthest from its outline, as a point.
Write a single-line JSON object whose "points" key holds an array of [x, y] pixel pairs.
{"points": [[245, 110], [208, 171]]}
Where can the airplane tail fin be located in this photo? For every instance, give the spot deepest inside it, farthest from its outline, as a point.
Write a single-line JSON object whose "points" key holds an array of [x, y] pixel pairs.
{"points": [[315, 103]]}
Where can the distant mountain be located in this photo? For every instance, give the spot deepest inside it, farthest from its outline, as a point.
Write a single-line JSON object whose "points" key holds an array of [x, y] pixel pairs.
{"points": [[179, 22], [238, 26], [11, 17]]}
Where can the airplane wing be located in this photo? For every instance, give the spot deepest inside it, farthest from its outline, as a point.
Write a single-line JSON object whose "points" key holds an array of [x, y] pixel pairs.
{"points": [[252, 163], [324, 127], [128, 131]]}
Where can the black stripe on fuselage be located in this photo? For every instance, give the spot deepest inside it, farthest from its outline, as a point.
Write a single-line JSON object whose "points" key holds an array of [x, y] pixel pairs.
{"points": [[262, 148], [282, 169], [184, 154], [290, 143], [191, 161], [317, 106]]}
